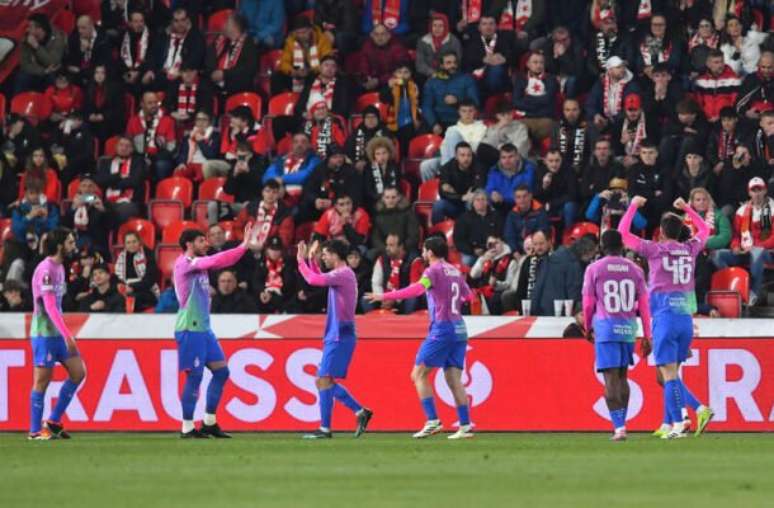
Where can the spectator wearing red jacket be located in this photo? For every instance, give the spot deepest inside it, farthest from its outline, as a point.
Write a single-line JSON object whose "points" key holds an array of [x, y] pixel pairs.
{"points": [[717, 87], [341, 222], [324, 129], [380, 55], [64, 97], [153, 134]]}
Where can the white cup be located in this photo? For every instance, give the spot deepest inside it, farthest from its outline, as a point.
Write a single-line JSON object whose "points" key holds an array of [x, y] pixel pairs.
{"points": [[526, 307], [568, 305], [558, 306]]}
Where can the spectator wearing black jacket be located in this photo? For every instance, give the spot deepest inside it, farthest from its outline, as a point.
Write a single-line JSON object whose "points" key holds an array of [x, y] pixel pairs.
{"points": [[631, 129], [358, 140], [20, 140], [15, 297], [473, 227], [135, 266], [8, 184], [122, 179], [757, 92], [104, 105], [76, 141], [660, 93], [653, 180], [459, 178], [381, 172], [102, 296], [564, 59], [601, 169], [556, 186], [689, 127], [244, 179], [232, 59], [692, 173], [332, 177], [723, 139], [229, 298], [731, 183], [489, 56], [317, 84], [87, 47], [187, 95], [88, 216], [393, 216], [274, 278], [178, 47], [562, 278], [338, 19]]}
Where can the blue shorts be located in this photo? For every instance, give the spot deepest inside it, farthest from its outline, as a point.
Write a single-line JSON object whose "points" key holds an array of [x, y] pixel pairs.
{"points": [[672, 335], [613, 355], [46, 351], [197, 349], [336, 357], [442, 353]]}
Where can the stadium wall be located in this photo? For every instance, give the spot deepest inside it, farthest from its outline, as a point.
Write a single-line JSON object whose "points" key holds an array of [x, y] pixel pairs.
{"points": [[520, 375]]}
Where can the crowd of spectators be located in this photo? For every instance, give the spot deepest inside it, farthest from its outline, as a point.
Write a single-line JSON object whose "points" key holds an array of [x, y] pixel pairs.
{"points": [[540, 115]]}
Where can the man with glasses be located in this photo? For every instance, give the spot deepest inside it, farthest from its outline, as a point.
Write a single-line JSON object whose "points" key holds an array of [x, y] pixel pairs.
{"points": [[752, 242]]}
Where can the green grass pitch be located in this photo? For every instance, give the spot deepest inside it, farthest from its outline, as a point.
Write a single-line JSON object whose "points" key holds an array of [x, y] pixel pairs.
{"points": [[387, 470]]}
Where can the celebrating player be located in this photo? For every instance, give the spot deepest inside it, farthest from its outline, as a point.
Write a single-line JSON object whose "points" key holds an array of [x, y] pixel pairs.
{"points": [[447, 339], [617, 283], [339, 340], [671, 277], [52, 341], [197, 346]]}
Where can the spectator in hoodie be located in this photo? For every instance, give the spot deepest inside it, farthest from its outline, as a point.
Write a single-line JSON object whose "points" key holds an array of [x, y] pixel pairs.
{"points": [[444, 91], [401, 94], [526, 217], [556, 187], [535, 95], [265, 21], [460, 177], [474, 226], [511, 172], [467, 129], [436, 42]]}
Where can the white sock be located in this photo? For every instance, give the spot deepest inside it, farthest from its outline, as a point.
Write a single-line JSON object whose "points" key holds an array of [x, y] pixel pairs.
{"points": [[665, 426], [619, 430], [684, 412], [325, 429], [358, 413], [209, 419], [188, 426]]}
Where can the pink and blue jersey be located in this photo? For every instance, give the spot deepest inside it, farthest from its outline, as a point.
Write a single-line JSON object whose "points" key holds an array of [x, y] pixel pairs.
{"points": [[446, 293], [49, 277], [342, 299], [612, 286], [671, 278], [192, 286]]}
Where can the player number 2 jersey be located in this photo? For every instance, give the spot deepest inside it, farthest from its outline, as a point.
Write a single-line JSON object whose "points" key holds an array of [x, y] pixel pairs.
{"points": [[446, 294]]}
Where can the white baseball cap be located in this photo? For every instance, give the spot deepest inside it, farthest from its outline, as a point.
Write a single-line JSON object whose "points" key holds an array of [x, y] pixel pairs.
{"points": [[756, 182], [614, 61]]}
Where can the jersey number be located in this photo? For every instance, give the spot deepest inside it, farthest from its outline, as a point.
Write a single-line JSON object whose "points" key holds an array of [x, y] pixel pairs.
{"points": [[619, 296], [680, 269], [455, 297]]}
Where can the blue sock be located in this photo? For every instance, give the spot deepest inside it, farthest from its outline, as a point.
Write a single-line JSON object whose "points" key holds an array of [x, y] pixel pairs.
{"points": [[190, 394], [667, 417], [463, 412], [342, 395], [674, 398], [688, 398], [618, 416], [65, 396], [326, 407], [428, 405], [36, 411], [215, 390]]}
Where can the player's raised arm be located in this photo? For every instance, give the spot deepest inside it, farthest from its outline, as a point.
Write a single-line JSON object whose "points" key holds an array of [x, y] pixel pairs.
{"points": [[56, 317], [631, 240], [310, 274], [411, 291], [226, 257], [702, 228]]}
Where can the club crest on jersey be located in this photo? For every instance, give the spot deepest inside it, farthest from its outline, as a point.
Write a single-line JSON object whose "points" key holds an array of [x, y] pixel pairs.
{"points": [[49, 357], [196, 362]]}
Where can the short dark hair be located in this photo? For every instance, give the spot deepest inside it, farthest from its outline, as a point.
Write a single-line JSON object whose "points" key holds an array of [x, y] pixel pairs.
{"points": [[556, 150], [728, 112], [522, 187], [240, 21], [612, 242], [671, 226], [343, 195], [338, 247], [648, 143], [244, 146], [448, 52], [714, 53], [54, 239], [189, 235], [503, 106], [462, 144], [272, 184], [438, 246], [466, 103], [509, 148], [100, 266]]}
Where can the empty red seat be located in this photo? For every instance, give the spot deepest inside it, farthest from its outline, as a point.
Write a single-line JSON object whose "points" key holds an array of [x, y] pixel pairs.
{"points": [[163, 212], [110, 146], [171, 233], [32, 105], [166, 255], [580, 230], [177, 188], [372, 99], [428, 191], [728, 303], [424, 146], [217, 20], [283, 104], [733, 278], [231, 230], [209, 190]]}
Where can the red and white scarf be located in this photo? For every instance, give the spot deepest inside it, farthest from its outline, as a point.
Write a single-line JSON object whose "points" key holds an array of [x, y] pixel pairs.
{"points": [[653, 47], [698, 40], [274, 274], [709, 219], [319, 89], [393, 281], [489, 49], [81, 218], [471, 10], [522, 10], [763, 214], [140, 264], [726, 145], [175, 52], [292, 164], [386, 12], [150, 130], [611, 104], [186, 98], [122, 169], [298, 56], [535, 85], [193, 145], [633, 146], [134, 59], [644, 10], [264, 221], [228, 52]]}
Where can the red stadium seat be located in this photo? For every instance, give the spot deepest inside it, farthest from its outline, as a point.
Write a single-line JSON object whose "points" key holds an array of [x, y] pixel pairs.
{"points": [[217, 20], [64, 19], [283, 147], [269, 62], [491, 103], [110, 146], [209, 190], [579, 230], [31, 105], [177, 188], [171, 233], [144, 228], [231, 231], [5, 229], [732, 279], [249, 99], [372, 99], [283, 104], [2, 108], [163, 212], [424, 146], [728, 303], [303, 232], [428, 194], [166, 255], [406, 190], [446, 228], [428, 191]]}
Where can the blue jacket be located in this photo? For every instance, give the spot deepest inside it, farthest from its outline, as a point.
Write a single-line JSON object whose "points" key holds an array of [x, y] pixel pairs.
{"points": [[167, 302], [506, 186], [560, 279], [265, 19], [277, 170], [367, 23], [210, 147], [536, 106], [520, 225], [594, 213], [434, 109], [20, 224]]}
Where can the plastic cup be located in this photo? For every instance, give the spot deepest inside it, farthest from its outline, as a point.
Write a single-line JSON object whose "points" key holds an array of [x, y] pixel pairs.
{"points": [[558, 306], [526, 306]]}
